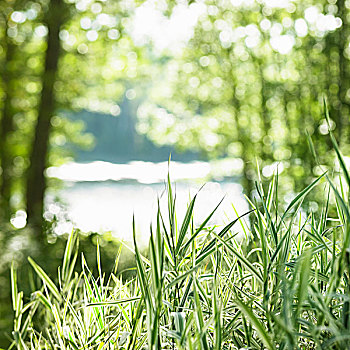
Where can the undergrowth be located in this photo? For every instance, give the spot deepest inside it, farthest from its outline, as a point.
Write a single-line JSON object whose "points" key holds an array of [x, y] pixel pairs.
{"points": [[284, 285]]}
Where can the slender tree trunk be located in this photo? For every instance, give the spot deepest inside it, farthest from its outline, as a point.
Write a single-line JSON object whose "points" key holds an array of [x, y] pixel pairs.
{"points": [[261, 62], [246, 182], [266, 149], [242, 136], [343, 85], [36, 182], [6, 128]]}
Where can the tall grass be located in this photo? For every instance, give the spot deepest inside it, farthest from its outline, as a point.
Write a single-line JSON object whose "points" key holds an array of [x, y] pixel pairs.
{"points": [[203, 287]]}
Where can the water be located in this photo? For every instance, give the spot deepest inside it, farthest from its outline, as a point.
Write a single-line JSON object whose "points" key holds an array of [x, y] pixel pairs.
{"points": [[102, 196]]}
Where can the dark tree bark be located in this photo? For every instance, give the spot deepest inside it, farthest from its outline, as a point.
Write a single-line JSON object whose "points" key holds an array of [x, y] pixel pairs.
{"points": [[36, 182], [6, 127]]}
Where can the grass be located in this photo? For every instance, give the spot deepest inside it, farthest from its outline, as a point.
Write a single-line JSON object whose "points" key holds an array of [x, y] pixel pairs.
{"points": [[284, 286]]}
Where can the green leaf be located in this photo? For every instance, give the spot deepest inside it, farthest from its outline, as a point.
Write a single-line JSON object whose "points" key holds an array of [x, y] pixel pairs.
{"points": [[185, 224], [14, 290], [264, 335], [46, 279], [241, 259], [299, 197], [201, 227]]}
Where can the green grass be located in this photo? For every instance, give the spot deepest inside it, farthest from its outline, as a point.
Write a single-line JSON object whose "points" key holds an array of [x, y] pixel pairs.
{"points": [[285, 285]]}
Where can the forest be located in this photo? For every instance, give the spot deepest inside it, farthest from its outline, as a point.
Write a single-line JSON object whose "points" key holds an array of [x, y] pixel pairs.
{"points": [[263, 82]]}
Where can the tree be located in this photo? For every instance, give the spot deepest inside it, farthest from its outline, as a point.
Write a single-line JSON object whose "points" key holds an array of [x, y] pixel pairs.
{"points": [[16, 98], [59, 67], [250, 83], [36, 182], [57, 57], [7, 116]]}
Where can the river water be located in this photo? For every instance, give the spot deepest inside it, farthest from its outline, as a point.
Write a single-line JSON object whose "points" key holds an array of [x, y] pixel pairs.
{"points": [[102, 196]]}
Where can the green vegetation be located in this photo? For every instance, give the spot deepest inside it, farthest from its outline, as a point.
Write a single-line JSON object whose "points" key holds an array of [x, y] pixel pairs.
{"points": [[49, 51], [283, 284], [247, 84], [250, 82]]}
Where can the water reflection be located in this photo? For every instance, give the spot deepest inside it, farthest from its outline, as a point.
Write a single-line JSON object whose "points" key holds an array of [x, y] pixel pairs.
{"points": [[97, 201], [142, 172]]}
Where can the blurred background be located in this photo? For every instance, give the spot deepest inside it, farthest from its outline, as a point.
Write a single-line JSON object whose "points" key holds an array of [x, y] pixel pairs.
{"points": [[96, 94]]}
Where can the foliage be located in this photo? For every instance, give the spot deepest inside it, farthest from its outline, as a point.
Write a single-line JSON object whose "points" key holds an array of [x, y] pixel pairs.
{"points": [[283, 285], [97, 61], [17, 245], [250, 83], [232, 92]]}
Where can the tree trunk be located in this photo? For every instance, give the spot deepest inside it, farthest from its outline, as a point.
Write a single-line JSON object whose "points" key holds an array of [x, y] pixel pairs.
{"points": [[343, 109], [6, 127], [266, 150], [36, 181], [246, 181]]}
